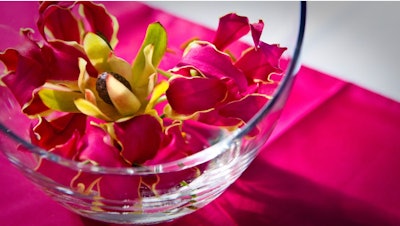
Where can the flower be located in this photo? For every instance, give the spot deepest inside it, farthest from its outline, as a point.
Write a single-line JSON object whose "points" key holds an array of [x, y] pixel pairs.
{"points": [[55, 58], [217, 86], [115, 89], [91, 106], [85, 77]]}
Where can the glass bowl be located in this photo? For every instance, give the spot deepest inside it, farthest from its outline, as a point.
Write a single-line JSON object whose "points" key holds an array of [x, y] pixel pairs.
{"points": [[161, 192]]}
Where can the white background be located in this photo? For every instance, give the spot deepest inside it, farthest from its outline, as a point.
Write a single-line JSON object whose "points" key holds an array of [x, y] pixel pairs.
{"points": [[353, 41]]}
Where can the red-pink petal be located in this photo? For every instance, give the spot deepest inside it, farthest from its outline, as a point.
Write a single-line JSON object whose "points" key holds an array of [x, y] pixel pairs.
{"points": [[118, 187], [31, 66], [259, 63], [268, 88], [245, 108], [199, 136], [230, 29], [140, 138], [45, 4], [216, 119], [256, 30], [10, 59], [55, 171], [191, 95], [272, 53], [213, 63], [99, 20], [125, 187], [184, 139], [62, 61], [185, 71], [26, 72], [96, 145], [85, 182], [56, 132], [173, 146], [60, 22], [35, 106]]}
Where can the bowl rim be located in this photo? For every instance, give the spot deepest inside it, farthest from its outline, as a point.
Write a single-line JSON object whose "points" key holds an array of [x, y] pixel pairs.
{"points": [[276, 102]]}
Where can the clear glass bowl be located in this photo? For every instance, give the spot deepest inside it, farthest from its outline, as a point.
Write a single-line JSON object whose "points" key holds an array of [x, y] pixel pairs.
{"points": [[184, 185]]}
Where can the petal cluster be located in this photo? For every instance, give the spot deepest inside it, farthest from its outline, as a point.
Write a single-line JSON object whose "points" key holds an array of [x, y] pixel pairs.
{"points": [[91, 106], [220, 89]]}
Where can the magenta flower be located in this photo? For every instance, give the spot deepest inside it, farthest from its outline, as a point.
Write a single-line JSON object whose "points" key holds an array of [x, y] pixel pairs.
{"points": [[91, 106], [227, 85], [55, 58]]}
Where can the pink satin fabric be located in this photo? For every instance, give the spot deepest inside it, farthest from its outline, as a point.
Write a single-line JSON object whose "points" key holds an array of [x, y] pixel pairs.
{"points": [[332, 160]]}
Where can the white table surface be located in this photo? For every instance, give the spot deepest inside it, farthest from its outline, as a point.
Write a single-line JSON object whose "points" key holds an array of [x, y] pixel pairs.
{"points": [[353, 41]]}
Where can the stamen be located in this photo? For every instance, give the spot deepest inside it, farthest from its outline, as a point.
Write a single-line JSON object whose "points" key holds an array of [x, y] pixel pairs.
{"points": [[101, 86]]}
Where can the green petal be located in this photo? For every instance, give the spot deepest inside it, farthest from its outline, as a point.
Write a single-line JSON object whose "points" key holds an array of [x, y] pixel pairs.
{"points": [[143, 86], [156, 44], [84, 80], [97, 51], [158, 91], [60, 100], [88, 108]]}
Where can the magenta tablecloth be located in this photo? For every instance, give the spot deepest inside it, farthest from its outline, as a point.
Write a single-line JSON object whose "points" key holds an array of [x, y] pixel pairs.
{"points": [[332, 160]]}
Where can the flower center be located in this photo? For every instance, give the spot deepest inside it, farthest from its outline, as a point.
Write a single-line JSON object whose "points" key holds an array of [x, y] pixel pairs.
{"points": [[101, 85]]}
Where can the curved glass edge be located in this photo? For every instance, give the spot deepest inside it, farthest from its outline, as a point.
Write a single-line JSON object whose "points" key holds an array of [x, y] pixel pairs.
{"points": [[282, 92], [276, 103]]}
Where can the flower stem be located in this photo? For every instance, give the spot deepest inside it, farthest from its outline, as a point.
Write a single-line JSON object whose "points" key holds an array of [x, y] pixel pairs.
{"points": [[166, 74]]}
